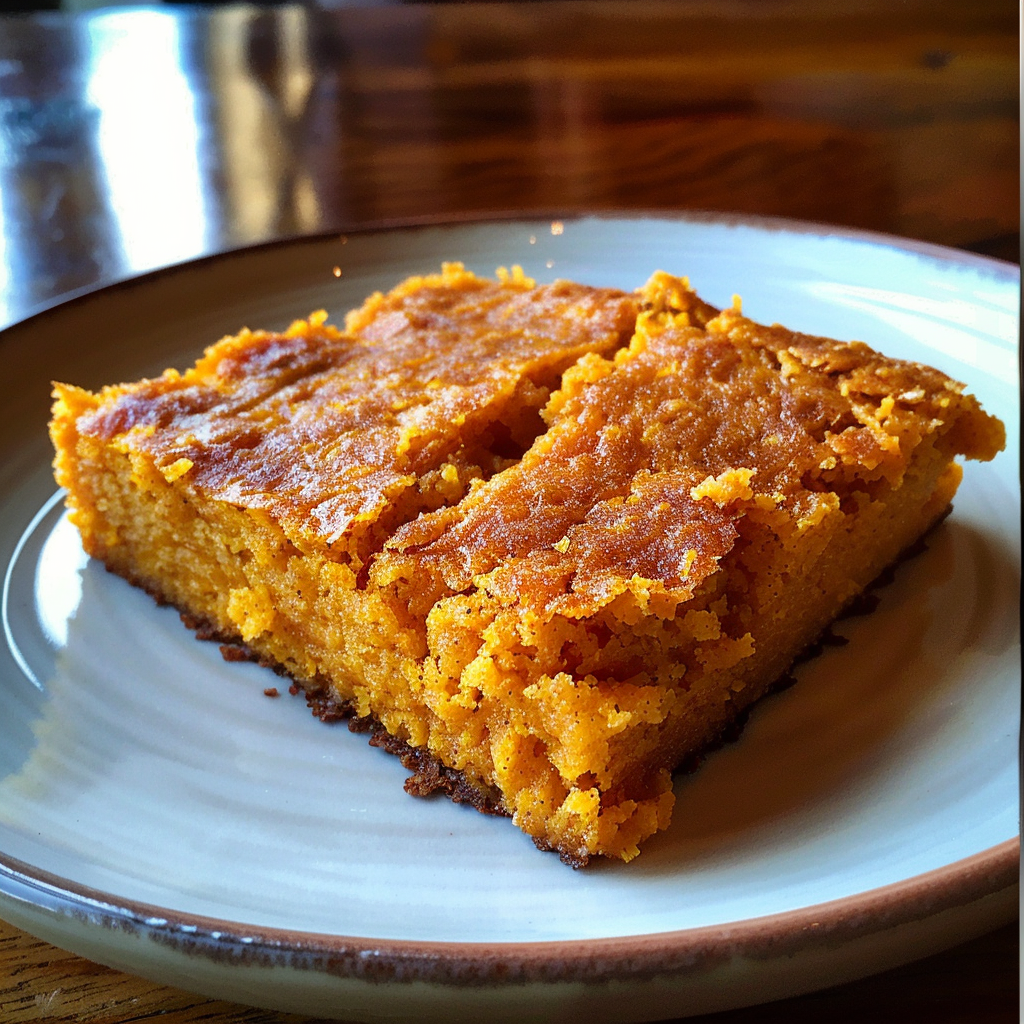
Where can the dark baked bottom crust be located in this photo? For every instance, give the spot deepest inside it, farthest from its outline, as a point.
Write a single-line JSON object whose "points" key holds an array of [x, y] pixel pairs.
{"points": [[430, 775]]}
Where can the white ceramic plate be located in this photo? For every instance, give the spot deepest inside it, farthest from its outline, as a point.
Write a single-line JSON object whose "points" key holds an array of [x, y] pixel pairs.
{"points": [[160, 814]]}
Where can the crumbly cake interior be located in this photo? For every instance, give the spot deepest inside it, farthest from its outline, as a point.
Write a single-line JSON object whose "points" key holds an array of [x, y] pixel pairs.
{"points": [[556, 537]]}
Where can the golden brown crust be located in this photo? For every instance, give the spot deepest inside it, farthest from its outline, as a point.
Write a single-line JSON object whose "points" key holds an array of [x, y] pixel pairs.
{"points": [[329, 432], [651, 457]]}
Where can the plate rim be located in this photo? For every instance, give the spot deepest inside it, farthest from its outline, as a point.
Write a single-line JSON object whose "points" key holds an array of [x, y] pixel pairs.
{"points": [[634, 957], [986, 873], [1009, 272]]}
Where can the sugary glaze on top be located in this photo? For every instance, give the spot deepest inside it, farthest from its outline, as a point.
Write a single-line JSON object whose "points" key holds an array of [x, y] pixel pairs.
{"points": [[336, 433], [663, 446]]}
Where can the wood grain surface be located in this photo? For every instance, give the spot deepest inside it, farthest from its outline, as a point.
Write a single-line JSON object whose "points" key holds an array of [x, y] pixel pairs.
{"points": [[274, 121], [264, 122]]}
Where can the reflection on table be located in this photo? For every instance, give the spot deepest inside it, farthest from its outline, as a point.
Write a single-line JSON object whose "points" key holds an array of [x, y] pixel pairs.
{"points": [[134, 139]]}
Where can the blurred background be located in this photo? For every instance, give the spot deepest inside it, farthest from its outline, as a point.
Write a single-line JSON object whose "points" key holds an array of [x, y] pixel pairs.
{"points": [[132, 137]]}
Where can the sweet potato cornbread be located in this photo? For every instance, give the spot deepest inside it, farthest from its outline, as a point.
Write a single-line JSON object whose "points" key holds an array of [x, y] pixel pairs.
{"points": [[548, 542]]}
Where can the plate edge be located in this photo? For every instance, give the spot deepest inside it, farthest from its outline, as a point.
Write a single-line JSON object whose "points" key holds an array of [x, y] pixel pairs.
{"points": [[1008, 272], [633, 957]]}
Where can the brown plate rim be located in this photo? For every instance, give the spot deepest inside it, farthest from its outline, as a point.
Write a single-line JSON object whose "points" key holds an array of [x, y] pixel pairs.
{"points": [[930, 250], [636, 957]]}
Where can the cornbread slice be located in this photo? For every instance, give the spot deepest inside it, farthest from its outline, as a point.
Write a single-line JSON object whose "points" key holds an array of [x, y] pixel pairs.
{"points": [[551, 540]]}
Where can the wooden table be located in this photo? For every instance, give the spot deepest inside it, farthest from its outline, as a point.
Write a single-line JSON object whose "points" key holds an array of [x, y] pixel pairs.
{"points": [[131, 140]]}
